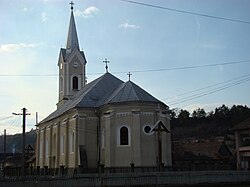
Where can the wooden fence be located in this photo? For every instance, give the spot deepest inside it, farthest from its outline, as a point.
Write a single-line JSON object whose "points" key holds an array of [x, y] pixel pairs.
{"points": [[131, 179]]}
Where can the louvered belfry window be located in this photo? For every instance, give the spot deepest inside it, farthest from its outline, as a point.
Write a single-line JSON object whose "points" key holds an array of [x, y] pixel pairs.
{"points": [[75, 83]]}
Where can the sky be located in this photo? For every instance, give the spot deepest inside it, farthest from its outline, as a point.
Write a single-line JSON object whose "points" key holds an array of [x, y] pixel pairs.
{"points": [[183, 59]]}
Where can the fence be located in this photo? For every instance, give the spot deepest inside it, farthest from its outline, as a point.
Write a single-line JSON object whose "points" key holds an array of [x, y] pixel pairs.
{"points": [[31, 171], [131, 179]]}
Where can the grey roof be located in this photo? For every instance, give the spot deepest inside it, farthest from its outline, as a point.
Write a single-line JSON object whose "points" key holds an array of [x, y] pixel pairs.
{"points": [[72, 40], [66, 55], [106, 89], [129, 91]]}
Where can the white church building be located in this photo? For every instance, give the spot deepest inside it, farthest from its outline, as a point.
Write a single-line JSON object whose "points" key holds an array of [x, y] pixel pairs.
{"points": [[107, 121]]}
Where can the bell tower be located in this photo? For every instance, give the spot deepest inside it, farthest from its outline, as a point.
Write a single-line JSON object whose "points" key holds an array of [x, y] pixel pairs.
{"points": [[71, 64]]}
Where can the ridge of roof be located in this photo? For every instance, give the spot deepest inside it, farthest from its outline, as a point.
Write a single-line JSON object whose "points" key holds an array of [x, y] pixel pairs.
{"points": [[85, 97], [98, 93], [130, 91], [106, 89]]}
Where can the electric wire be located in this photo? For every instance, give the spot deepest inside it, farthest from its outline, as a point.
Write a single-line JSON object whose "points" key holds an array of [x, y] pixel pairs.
{"points": [[206, 87], [186, 67], [136, 71], [195, 96], [5, 118], [12, 124], [186, 12]]}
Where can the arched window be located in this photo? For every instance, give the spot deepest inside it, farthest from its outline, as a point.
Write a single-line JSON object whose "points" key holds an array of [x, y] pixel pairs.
{"points": [[75, 83], [124, 136]]}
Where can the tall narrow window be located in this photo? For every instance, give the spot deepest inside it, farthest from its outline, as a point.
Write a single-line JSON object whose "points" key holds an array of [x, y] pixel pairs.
{"points": [[102, 138], [75, 83], [54, 145], [73, 142], [62, 144], [41, 148], [47, 148], [124, 136]]}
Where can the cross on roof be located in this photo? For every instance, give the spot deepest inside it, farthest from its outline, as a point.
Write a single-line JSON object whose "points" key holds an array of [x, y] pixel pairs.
{"points": [[72, 4], [106, 62], [129, 75]]}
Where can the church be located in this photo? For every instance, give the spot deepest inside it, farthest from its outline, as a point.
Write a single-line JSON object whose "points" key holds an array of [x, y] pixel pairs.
{"points": [[105, 122]]}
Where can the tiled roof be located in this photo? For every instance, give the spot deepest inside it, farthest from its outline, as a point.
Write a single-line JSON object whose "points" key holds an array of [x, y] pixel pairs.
{"points": [[201, 151], [106, 89]]}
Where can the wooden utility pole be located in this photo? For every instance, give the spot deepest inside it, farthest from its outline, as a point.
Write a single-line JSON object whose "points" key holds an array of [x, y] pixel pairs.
{"points": [[4, 147], [24, 114]]}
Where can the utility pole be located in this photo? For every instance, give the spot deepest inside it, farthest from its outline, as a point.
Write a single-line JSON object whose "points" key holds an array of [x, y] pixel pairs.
{"points": [[23, 140], [4, 147]]}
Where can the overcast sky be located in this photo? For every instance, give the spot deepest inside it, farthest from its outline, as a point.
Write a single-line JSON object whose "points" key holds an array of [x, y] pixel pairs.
{"points": [[185, 60]]}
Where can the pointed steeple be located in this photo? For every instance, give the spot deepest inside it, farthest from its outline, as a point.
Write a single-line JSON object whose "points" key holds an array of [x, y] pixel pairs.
{"points": [[72, 65], [72, 40]]}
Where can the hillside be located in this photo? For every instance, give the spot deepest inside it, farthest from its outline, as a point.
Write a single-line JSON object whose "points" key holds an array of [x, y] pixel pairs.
{"points": [[198, 125], [202, 125], [14, 142]]}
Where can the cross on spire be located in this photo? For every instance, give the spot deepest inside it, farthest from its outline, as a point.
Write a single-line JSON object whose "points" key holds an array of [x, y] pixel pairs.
{"points": [[106, 62], [129, 75], [72, 5]]}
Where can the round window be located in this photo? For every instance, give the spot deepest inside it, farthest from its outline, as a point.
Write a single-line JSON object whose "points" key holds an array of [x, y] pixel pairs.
{"points": [[147, 129]]}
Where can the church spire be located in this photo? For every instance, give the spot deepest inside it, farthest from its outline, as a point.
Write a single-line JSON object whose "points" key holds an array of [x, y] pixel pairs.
{"points": [[72, 65], [72, 40]]}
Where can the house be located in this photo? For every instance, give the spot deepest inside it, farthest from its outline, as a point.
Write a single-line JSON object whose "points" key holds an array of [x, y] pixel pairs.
{"points": [[202, 155], [242, 141], [105, 122]]}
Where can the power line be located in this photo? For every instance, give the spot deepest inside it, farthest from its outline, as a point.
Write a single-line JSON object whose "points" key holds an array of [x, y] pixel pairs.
{"points": [[186, 12], [206, 87], [137, 71], [189, 67], [28, 75], [5, 118], [195, 96]]}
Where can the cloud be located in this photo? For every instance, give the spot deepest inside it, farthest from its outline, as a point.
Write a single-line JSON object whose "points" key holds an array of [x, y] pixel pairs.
{"points": [[47, 1], [88, 12], [126, 25], [44, 16], [15, 47], [26, 9]]}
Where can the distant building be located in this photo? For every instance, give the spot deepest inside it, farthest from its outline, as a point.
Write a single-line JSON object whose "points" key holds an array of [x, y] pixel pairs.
{"points": [[14, 159], [202, 155], [242, 138], [106, 121]]}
